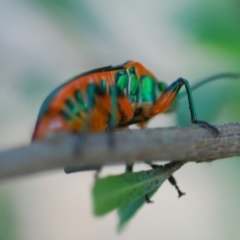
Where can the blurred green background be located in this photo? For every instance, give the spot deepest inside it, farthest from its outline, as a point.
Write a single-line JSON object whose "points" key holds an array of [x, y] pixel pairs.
{"points": [[43, 43]]}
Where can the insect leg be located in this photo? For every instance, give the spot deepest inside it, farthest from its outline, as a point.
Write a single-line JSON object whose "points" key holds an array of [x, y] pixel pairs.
{"points": [[200, 83], [113, 115], [79, 169], [129, 167], [148, 199], [192, 108], [90, 101], [80, 136], [170, 94], [171, 179]]}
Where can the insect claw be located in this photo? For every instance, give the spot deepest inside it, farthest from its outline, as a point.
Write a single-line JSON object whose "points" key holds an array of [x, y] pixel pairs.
{"points": [[148, 199], [210, 127], [180, 193], [173, 181]]}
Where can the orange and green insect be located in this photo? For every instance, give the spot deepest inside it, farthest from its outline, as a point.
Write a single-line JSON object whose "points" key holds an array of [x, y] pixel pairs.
{"points": [[109, 97]]}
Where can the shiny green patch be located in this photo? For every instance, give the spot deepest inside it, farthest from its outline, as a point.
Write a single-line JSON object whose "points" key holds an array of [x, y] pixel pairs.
{"points": [[148, 85], [103, 85], [79, 100], [91, 95], [72, 108], [121, 79], [134, 88]]}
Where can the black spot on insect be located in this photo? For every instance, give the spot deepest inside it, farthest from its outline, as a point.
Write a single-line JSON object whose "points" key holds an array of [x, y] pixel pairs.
{"points": [[65, 115], [137, 112], [73, 109], [100, 90], [69, 104], [80, 101]]}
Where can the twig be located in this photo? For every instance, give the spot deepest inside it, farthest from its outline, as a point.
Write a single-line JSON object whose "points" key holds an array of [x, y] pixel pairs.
{"points": [[93, 150]]}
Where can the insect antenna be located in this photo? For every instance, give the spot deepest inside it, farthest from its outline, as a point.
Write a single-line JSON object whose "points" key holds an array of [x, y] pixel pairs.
{"points": [[211, 79]]}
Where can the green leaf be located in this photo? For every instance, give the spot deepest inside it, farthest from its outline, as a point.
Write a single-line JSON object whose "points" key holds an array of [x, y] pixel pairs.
{"points": [[119, 191], [126, 213], [214, 24]]}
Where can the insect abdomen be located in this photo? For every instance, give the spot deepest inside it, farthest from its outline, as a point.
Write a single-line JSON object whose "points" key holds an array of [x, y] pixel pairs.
{"points": [[85, 102]]}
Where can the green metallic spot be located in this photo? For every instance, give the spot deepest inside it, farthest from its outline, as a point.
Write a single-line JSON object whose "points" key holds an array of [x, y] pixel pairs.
{"points": [[103, 85], [79, 100], [148, 85], [91, 95], [134, 88], [66, 115], [121, 79], [73, 109]]}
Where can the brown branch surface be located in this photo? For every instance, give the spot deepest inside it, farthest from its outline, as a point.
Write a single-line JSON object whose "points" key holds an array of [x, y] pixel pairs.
{"points": [[93, 150]]}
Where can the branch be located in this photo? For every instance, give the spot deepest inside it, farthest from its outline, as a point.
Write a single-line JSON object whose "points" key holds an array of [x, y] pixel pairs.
{"points": [[93, 150]]}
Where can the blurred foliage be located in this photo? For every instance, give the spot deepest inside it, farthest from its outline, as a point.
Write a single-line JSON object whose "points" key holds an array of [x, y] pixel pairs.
{"points": [[72, 15], [214, 23], [126, 213], [216, 102], [126, 192], [7, 218], [34, 89]]}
